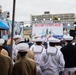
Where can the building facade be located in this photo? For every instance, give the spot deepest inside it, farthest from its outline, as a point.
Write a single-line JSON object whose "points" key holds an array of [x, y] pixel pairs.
{"points": [[67, 19]]}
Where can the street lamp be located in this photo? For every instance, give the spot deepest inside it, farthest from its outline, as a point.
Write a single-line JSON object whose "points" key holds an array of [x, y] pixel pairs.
{"points": [[68, 24], [59, 19], [43, 19], [50, 19], [35, 19]]}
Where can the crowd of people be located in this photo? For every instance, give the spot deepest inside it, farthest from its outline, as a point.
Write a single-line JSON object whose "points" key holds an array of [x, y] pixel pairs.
{"points": [[43, 56]]}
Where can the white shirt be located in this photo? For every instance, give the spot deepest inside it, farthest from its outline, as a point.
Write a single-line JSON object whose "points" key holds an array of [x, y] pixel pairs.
{"points": [[58, 47], [14, 52], [37, 49], [52, 60]]}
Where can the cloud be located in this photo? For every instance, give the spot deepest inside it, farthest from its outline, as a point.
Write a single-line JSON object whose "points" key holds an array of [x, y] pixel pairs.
{"points": [[25, 8]]}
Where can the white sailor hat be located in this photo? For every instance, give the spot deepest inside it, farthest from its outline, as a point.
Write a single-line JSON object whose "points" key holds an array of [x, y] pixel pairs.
{"points": [[53, 40], [38, 39], [68, 38], [37, 36], [19, 40], [2, 42], [22, 47], [33, 39], [17, 36], [57, 41]]}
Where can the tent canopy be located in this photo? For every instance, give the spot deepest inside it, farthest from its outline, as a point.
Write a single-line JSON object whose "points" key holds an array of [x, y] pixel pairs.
{"points": [[3, 26]]}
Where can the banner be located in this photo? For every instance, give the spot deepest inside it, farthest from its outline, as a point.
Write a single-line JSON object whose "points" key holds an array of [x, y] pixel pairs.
{"points": [[55, 29]]}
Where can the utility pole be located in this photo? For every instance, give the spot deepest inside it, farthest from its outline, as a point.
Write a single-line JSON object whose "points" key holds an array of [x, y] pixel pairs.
{"points": [[13, 17]]}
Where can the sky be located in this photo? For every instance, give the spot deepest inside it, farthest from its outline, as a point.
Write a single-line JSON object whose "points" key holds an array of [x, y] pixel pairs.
{"points": [[25, 8]]}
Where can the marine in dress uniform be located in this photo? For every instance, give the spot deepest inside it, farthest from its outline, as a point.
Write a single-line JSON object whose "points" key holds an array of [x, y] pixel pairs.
{"points": [[5, 62], [69, 53], [52, 61], [25, 65]]}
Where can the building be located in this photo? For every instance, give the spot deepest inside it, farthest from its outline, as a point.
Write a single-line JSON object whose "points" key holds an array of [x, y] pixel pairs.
{"points": [[27, 32], [67, 19]]}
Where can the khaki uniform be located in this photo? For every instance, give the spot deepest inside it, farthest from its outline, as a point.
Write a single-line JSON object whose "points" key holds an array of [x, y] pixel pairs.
{"points": [[4, 52], [25, 66], [30, 54], [5, 65]]}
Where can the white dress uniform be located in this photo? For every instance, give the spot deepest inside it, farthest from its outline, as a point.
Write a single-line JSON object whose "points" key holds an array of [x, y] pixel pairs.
{"points": [[37, 49], [58, 46], [37, 52], [32, 46], [52, 61], [14, 52], [17, 39]]}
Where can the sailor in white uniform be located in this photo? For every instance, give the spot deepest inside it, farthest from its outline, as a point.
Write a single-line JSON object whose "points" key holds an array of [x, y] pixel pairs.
{"points": [[38, 48], [17, 39], [52, 61], [57, 44], [33, 39]]}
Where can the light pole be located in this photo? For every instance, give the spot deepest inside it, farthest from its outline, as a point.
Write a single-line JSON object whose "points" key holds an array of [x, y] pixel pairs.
{"points": [[13, 17]]}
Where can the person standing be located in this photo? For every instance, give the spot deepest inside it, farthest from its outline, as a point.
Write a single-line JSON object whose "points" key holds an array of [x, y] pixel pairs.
{"points": [[24, 65], [17, 39], [5, 62], [38, 48], [33, 40], [52, 61], [69, 53], [57, 44]]}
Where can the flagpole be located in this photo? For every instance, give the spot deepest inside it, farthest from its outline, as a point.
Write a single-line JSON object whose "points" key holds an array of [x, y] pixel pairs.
{"points": [[12, 32]]}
